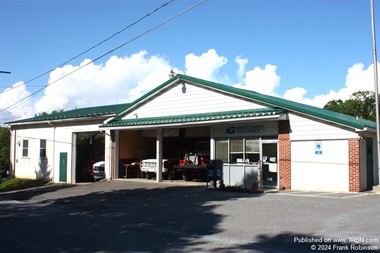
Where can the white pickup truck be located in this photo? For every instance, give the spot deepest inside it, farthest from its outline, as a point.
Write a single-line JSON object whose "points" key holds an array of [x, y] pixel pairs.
{"points": [[149, 167]]}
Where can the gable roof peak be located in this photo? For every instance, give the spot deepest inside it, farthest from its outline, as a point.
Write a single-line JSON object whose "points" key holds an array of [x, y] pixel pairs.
{"points": [[281, 103]]}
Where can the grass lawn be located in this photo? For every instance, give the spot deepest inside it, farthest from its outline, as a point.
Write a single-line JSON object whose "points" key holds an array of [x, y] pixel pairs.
{"points": [[13, 184]]}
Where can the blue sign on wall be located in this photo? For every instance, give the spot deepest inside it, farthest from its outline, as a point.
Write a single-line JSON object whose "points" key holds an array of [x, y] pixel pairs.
{"points": [[318, 147]]}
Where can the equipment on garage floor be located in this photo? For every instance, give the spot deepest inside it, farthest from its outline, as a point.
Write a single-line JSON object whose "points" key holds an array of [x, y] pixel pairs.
{"points": [[192, 167]]}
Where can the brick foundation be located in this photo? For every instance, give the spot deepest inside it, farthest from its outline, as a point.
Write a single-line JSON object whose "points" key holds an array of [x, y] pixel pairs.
{"points": [[284, 156], [354, 165]]}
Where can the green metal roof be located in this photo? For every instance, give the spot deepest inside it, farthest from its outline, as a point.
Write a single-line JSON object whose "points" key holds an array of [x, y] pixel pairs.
{"points": [[191, 118], [97, 111], [275, 104], [265, 100]]}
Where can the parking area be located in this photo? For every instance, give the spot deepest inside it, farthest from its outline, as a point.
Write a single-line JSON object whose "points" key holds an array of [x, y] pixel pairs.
{"points": [[140, 215], [315, 194], [312, 194]]}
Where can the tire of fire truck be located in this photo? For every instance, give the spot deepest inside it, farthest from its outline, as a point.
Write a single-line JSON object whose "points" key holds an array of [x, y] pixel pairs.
{"points": [[187, 176], [171, 174]]}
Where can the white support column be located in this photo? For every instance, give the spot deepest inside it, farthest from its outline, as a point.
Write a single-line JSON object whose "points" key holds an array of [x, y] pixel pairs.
{"points": [[159, 154], [115, 154], [109, 154], [212, 144]]}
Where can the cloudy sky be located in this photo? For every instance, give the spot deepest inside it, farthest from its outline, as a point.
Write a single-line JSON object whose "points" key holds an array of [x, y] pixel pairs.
{"points": [[306, 51]]}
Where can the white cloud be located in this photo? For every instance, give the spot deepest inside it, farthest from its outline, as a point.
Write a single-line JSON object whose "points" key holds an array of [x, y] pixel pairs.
{"points": [[297, 94], [205, 66], [357, 79], [124, 79], [261, 80], [119, 80], [266, 80], [241, 62], [12, 95]]}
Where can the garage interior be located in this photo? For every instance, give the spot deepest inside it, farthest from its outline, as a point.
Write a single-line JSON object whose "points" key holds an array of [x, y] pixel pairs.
{"points": [[89, 150], [137, 145]]}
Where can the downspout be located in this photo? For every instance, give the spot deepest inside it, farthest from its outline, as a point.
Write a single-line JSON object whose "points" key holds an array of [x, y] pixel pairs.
{"points": [[51, 124]]}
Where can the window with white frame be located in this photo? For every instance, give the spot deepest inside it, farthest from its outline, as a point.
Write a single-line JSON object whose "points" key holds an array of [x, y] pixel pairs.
{"points": [[221, 150], [239, 150], [236, 151], [252, 150], [25, 148], [42, 148]]}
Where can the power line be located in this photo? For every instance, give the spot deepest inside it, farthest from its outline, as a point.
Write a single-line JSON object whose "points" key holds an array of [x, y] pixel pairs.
{"points": [[93, 47], [107, 53], [7, 86]]}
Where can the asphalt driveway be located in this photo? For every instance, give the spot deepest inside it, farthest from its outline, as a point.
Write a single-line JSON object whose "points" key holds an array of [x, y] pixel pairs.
{"points": [[143, 216]]}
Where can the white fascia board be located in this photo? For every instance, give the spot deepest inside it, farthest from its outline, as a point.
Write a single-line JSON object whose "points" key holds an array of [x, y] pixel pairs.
{"points": [[366, 130]]}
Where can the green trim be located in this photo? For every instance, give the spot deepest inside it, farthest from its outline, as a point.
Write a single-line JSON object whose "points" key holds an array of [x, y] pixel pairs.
{"points": [[194, 118], [98, 111]]}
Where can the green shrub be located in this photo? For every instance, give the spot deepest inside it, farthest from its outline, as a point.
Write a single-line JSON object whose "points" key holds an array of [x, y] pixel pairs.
{"points": [[13, 184]]}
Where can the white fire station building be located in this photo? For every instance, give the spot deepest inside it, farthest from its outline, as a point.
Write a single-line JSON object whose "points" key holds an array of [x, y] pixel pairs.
{"points": [[297, 146]]}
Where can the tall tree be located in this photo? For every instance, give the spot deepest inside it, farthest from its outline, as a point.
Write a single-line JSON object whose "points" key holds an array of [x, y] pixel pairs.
{"points": [[360, 104], [5, 142], [46, 113]]}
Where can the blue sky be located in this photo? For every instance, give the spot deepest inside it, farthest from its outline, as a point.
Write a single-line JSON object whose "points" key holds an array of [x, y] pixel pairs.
{"points": [[310, 51]]}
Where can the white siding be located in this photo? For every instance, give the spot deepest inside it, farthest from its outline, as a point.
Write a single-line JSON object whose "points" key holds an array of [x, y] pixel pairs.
{"points": [[194, 100], [306, 129], [32, 166], [59, 139], [326, 171]]}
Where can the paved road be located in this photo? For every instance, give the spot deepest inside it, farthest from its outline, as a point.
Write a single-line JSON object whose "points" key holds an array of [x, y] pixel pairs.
{"points": [[143, 216]]}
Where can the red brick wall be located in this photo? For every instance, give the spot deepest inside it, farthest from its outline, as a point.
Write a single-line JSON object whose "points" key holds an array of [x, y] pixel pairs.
{"points": [[354, 165], [284, 155]]}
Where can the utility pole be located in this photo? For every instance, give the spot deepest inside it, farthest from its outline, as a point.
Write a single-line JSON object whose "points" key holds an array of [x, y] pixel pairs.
{"points": [[376, 89]]}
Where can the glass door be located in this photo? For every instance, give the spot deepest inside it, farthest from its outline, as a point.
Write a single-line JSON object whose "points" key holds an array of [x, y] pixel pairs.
{"points": [[269, 164]]}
